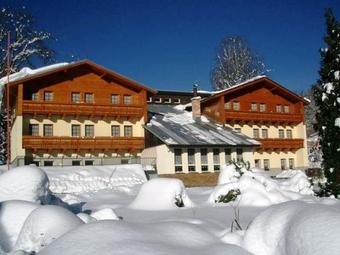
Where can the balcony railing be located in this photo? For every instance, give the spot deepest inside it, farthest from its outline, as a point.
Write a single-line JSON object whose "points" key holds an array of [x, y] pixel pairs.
{"points": [[50, 108], [263, 117], [280, 144], [82, 143]]}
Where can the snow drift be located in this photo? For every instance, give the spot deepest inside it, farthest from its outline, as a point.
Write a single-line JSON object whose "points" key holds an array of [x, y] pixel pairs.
{"points": [[27, 183], [161, 194], [295, 228]]}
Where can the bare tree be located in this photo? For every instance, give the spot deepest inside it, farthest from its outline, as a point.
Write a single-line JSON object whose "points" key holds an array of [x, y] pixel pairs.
{"points": [[235, 62]]}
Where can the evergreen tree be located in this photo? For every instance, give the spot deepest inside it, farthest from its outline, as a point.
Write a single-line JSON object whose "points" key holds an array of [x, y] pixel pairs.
{"points": [[327, 99]]}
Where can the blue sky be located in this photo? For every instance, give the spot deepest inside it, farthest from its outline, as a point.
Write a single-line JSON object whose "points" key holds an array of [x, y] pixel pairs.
{"points": [[168, 44]]}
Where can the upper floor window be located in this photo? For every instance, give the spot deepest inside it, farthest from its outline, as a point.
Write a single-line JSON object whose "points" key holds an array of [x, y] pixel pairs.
{"points": [[262, 107], [236, 106], [75, 97], [75, 130], [89, 130], [115, 130], [167, 100], [127, 99], [227, 105], [286, 109], [158, 100], [48, 130], [253, 106], [278, 108], [289, 133], [127, 130], [35, 96], [115, 99], [149, 100], [256, 133], [34, 129], [281, 133], [177, 101], [89, 98], [264, 133], [48, 96]]}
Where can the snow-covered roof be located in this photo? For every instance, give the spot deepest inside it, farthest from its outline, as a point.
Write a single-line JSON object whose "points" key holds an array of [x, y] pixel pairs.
{"points": [[175, 126]]}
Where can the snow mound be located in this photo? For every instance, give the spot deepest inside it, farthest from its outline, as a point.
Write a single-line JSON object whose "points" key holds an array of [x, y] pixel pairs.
{"points": [[93, 178], [43, 226], [27, 183], [294, 228], [260, 190], [86, 218], [12, 217], [161, 194], [105, 214], [126, 238]]}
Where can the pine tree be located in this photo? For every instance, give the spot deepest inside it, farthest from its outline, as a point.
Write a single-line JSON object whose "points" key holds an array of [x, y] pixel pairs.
{"points": [[327, 99]]}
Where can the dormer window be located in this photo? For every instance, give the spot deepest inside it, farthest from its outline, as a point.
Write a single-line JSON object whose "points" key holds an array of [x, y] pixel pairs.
{"points": [[35, 96], [149, 100], [286, 109], [158, 100], [253, 107], [227, 105], [75, 97], [236, 106], [127, 99], [278, 108], [167, 100], [114, 99], [262, 107], [89, 98], [177, 101], [48, 96]]}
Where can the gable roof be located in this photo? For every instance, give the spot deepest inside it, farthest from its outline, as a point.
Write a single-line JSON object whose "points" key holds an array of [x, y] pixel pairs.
{"points": [[27, 74], [175, 127], [253, 82]]}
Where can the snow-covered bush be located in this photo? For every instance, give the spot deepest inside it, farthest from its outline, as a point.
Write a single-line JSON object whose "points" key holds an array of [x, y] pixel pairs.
{"points": [[13, 214], [229, 197], [43, 226], [161, 194], [295, 228], [27, 183]]}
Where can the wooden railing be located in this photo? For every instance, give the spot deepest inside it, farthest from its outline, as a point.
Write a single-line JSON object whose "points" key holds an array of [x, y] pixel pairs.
{"points": [[50, 108], [280, 144], [82, 143], [263, 117]]}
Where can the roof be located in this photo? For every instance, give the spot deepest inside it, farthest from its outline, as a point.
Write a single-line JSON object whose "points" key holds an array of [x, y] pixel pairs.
{"points": [[175, 127], [179, 92], [27, 74], [252, 82]]}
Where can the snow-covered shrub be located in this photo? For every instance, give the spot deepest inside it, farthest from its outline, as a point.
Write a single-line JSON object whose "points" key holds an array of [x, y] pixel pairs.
{"points": [[161, 194], [296, 181], [294, 228], [229, 197], [13, 214], [27, 183], [43, 226], [241, 165]]}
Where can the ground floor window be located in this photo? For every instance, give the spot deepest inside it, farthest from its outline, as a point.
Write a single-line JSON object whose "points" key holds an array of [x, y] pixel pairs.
{"points": [[216, 159], [191, 160], [239, 154], [75, 162], [257, 163], [48, 163], [266, 165], [204, 160], [178, 160], [227, 153], [283, 164], [291, 163], [88, 162]]}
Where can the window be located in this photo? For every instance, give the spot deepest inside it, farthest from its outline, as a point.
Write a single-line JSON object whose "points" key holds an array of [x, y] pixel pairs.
{"points": [[127, 130], [239, 154], [278, 108], [256, 133], [75, 162], [167, 100], [191, 160], [291, 163], [238, 130], [48, 163], [158, 100], [236, 106], [253, 106], [266, 164], [149, 100], [89, 130], [177, 101], [75, 97], [216, 159], [257, 163], [48, 96], [89, 98], [115, 130], [88, 162], [34, 129], [286, 108], [227, 105], [227, 153], [281, 133], [127, 99], [114, 99], [35, 96], [204, 160], [262, 107], [75, 130], [48, 130], [289, 133], [178, 160], [264, 133], [283, 163]]}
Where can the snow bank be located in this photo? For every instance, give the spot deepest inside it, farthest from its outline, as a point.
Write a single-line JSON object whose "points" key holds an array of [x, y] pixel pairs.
{"points": [[12, 217], [259, 189], [93, 178], [161, 194], [43, 226], [105, 214], [295, 228], [27, 183], [126, 238]]}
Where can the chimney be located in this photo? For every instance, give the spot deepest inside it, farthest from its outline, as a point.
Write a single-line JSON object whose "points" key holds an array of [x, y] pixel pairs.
{"points": [[196, 104]]}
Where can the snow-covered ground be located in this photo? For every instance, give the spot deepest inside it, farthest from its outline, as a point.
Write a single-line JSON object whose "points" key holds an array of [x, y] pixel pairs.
{"points": [[115, 210]]}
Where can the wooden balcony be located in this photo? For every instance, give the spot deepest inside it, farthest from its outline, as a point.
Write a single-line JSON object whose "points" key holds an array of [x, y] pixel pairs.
{"points": [[264, 117], [280, 144], [82, 109], [83, 143]]}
